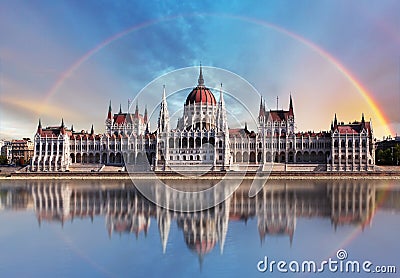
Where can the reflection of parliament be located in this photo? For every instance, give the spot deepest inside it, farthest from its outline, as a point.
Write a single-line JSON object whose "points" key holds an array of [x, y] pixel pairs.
{"points": [[203, 140], [274, 210]]}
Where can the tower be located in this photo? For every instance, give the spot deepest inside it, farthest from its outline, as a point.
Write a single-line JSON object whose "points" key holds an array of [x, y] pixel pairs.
{"points": [[163, 119], [222, 126], [108, 121]]}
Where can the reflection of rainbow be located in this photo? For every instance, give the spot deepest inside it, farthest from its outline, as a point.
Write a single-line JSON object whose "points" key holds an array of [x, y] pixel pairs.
{"points": [[323, 53]]}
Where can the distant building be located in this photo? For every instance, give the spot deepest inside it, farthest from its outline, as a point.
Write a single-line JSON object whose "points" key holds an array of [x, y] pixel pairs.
{"points": [[388, 151], [388, 143], [6, 149], [21, 151], [202, 140]]}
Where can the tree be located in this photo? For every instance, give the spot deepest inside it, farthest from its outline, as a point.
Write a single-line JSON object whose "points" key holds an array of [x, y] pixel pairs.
{"points": [[396, 154], [3, 160]]}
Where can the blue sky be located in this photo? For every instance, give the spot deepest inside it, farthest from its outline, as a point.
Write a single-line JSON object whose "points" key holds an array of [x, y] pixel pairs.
{"points": [[42, 40]]}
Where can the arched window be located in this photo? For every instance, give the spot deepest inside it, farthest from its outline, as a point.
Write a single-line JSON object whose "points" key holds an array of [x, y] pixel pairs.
{"points": [[364, 143], [350, 143]]}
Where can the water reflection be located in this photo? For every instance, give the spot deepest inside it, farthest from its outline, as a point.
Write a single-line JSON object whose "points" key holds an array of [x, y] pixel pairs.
{"points": [[276, 208]]}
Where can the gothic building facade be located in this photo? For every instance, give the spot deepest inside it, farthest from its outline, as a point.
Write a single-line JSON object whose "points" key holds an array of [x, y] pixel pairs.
{"points": [[202, 140]]}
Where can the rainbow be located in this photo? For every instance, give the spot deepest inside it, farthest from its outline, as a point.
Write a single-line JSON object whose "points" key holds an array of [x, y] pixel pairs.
{"points": [[382, 118]]}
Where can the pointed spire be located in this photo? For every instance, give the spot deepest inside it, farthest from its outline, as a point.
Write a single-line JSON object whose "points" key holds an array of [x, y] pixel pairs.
{"points": [[137, 110], [335, 121], [62, 126], [120, 108], [261, 113], [109, 111], [72, 128], [164, 93], [145, 114], [277, 102], [291, 105], [362, 118], [92, 130], [39, 129], [201, 79], [163, 119], [221, 97]]}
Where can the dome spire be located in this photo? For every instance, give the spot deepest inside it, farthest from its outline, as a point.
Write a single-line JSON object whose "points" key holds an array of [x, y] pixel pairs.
{"points": [[201, 79]]}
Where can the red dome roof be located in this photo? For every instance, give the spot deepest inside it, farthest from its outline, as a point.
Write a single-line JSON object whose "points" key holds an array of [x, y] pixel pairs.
{"points": [[201, 94]]}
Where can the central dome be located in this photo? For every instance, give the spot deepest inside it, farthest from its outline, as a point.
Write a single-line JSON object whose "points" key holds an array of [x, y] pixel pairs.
{"points": [[201, 94]]}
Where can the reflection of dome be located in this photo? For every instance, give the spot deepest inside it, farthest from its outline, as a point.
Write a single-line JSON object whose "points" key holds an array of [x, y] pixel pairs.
{"points": [[201, 94], [201, 247]]}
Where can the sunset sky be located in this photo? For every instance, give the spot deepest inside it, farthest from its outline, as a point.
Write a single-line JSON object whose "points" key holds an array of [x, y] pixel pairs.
{"points": [[68, 59]]}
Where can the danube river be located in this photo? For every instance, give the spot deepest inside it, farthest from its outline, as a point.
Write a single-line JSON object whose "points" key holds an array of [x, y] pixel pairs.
{"points": [[107, 228]]}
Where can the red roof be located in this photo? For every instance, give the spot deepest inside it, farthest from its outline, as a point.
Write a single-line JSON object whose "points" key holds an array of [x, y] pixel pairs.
{"points": [[127, 118], [354, 128], [278, 115], [201, 94]]}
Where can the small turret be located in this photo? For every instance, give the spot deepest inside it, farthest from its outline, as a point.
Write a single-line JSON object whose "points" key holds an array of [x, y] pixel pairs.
{"points": [[145, 118], [201, 79], [335, 122], [62, 127], [109, 115], [137, 110], [39, 129], [163, 119], [261, 112], [291, 113]]}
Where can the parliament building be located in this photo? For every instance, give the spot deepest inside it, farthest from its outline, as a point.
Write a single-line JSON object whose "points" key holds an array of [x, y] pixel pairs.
{"points": [[203, 141]]}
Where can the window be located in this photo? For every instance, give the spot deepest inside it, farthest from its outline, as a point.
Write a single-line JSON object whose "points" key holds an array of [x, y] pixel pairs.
{"points": [[350, 143], [364, 143]]}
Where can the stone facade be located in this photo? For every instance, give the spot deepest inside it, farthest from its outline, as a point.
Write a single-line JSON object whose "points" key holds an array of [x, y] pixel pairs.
{"points": [[203, 141]]}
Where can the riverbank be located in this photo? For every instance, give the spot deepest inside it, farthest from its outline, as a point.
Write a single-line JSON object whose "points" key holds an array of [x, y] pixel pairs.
{"points": [[207, 176]]}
